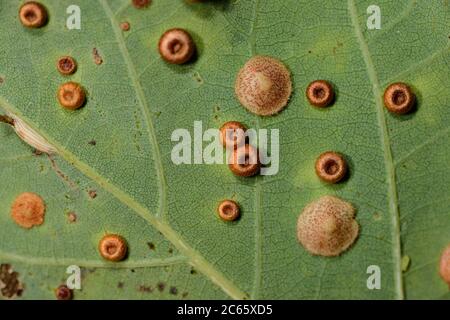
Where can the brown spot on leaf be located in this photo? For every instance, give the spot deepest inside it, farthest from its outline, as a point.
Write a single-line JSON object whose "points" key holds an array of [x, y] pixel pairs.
{"points": [[151, 245], [10, 286], [98, 60], [125, 26], [173, 290], [63, 293], [120, 285], [140, 4], [92, 194], [28, 210], [92, 143], [72, 216], [161, 286], [146, 289]]}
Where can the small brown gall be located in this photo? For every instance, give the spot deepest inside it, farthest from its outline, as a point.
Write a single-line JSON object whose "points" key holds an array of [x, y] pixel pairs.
{"points": [[232, 133], [320, 93], [398, 98], [125, 26], [245, 161], [229, 210], [113, 247], [331, 167], [63, 293], [327, 227], [71, 95], [140, 4], [28, 210], [32, 14], [66, 65], [444, 265], [176, 46], [263, 85]]}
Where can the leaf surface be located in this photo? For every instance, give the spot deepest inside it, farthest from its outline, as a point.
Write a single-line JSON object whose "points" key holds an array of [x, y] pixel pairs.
{"points": [[178, 246]]}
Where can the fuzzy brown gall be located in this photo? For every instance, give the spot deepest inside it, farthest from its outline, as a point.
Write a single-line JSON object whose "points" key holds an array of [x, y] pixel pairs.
{"points": [[28, 210], [263, 86]]}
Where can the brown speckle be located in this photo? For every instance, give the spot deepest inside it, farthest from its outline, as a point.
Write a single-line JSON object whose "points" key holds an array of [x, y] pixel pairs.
{"points": [[173, 290], [92, 143], [170, 250], [193, 271], [184, 295], [120, 285], [72, 216], [146, 289], [92, 194], [9, 282], [151, 245], [28, 210], [140, 4], [63, 293], [98, 60], [125, 26], [2, 80], [161, 286]]}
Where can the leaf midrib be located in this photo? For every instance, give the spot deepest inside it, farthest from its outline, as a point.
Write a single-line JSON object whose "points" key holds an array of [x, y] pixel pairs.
{"points": [[385, 141]]}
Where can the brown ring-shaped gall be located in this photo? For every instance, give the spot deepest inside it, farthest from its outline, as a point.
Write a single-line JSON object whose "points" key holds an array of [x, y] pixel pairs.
{"points": [[113, 247], [63, 293], [140, 4], [176, 46], [444, 265], [245, 161], [228, 210], [28, 210], [399, 98], [320, 93], [32, 14], [331, 167], [232, 133], [71, 95], [66, 65]]}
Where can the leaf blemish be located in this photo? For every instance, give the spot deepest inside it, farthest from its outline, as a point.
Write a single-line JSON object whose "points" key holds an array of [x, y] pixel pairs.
{"points": [[28, 210], [33, 15], [176, 46], [9, 282], [141, 4], [161, 286], [98, 60]]}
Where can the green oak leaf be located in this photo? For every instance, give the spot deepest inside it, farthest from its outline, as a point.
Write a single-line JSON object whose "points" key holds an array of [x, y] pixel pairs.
{"points": [[179, 249]]}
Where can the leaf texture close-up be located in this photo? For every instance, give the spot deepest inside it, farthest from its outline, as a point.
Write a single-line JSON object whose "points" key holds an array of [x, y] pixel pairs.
{"points": [[111, 171]]}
